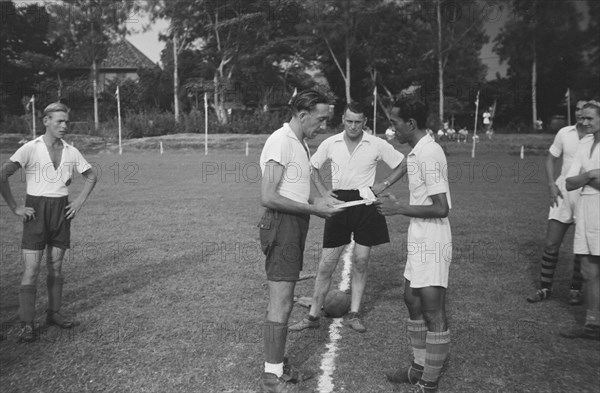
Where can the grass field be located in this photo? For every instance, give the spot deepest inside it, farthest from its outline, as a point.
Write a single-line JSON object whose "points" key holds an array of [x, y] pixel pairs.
{"points": [[166, 275]]}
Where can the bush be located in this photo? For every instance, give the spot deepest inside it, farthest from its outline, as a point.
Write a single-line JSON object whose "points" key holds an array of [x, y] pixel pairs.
{"points": [[14, 124]]}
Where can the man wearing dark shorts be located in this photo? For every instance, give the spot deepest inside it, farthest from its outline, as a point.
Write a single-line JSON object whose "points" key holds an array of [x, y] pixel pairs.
{"points": [[354, 155], [285, 193], [49, 164]]}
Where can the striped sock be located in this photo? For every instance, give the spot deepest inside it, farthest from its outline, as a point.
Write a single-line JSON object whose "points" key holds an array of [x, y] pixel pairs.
{"points": [[549, 262], [577, 280], [437, 347], [417, 335]]}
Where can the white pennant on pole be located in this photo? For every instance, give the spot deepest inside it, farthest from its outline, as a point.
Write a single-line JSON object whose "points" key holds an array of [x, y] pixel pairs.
{"points": [[32, 102]]}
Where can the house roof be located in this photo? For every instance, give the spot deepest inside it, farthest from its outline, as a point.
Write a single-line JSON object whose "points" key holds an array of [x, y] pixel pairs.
{"points": [[123, 54]]}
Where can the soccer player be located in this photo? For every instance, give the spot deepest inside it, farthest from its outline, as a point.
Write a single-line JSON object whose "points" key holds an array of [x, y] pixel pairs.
{"points": [[354, 155], [562, 211], [429, 247], [285, 193], [585, 174], [49, 164]]}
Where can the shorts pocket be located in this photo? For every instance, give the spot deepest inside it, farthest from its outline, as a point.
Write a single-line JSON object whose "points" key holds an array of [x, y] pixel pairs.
{"points": [[268, 230]]}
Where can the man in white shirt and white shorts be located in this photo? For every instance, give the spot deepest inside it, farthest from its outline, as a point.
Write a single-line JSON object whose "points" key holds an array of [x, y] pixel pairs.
{"points": [[562, 211], [49, 164], [585, 174], [429, 247]]}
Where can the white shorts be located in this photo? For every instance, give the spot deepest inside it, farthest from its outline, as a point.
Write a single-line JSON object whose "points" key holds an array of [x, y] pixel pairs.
{"points": [[429, 252], [587, 230], [566, 210]]}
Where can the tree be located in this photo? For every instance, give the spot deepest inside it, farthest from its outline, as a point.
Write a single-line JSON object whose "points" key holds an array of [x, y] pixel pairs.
{"points": [[247, 46], [542, 43], [84, 28], [26, 55]]}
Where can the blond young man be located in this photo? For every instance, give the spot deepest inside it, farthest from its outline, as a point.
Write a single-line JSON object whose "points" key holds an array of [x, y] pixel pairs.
{"points": [[49, 164]]}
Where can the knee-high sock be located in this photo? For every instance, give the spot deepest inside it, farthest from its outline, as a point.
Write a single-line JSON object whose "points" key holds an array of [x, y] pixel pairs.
{"points": [[437, 349], [274, 336], [417, 335], [55, 287], [549, 262], [577, 280], [27, 303]]}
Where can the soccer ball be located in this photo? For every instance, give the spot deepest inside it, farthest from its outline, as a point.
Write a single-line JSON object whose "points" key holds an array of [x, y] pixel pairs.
{"points": [[337, 303]]}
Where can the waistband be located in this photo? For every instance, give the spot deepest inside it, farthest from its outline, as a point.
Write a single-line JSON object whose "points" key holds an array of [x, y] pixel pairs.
{"points": [[44, 198], [348, 195]]}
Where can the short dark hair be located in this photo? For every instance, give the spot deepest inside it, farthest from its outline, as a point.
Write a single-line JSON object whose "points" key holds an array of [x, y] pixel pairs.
{"points": [[354, 107], [56, 107], [593, 104], [412, 109], [306, 100]]}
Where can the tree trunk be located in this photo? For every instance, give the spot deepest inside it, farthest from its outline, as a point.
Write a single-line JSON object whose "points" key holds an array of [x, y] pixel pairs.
{"points": [[534, 87], [175, 79], [440, 64], [347, 79], [219, 102]]}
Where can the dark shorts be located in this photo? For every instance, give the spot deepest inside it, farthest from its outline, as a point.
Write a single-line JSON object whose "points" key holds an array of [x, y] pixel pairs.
{"points": [[50, 226], [282, 240], [369, 227]]}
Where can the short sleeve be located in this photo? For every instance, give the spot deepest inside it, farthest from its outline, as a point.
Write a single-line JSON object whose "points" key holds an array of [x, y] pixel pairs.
{"points": [[81, 163], [22, 155], [275, 150], [389, 154], [557, 145], [435, 171]]}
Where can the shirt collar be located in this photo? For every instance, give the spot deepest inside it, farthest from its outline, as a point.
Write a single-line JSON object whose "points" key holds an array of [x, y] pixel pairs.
{"points": [[420, 144], [339, 137], [40, 139]]}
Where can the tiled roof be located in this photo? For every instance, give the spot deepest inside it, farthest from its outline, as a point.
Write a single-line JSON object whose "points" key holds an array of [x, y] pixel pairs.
{"points": [[123, 54]]}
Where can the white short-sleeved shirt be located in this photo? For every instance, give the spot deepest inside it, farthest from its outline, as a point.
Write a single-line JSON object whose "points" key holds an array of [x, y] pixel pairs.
{"points": [[284, 148], [584, 161], [427, 170], [566, 143], [429, 239], [356, 170], [41, 177]]}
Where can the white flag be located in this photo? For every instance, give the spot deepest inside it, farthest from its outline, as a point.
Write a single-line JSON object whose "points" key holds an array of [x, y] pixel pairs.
{"points": [[117, 93], [293, 95]]}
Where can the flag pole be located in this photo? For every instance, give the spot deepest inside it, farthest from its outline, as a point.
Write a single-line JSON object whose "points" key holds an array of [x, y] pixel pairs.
{"points": [[205, 124], [33, 114], [375, 110], [475, 126], [569, 105], [119, 117]]}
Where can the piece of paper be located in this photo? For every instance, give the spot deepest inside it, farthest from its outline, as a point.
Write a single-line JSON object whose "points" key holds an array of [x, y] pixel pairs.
{"points": [[353, 203]]}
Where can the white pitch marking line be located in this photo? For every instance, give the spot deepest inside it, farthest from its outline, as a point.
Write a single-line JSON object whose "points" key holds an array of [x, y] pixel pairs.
{"points": [[328, 362]]}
